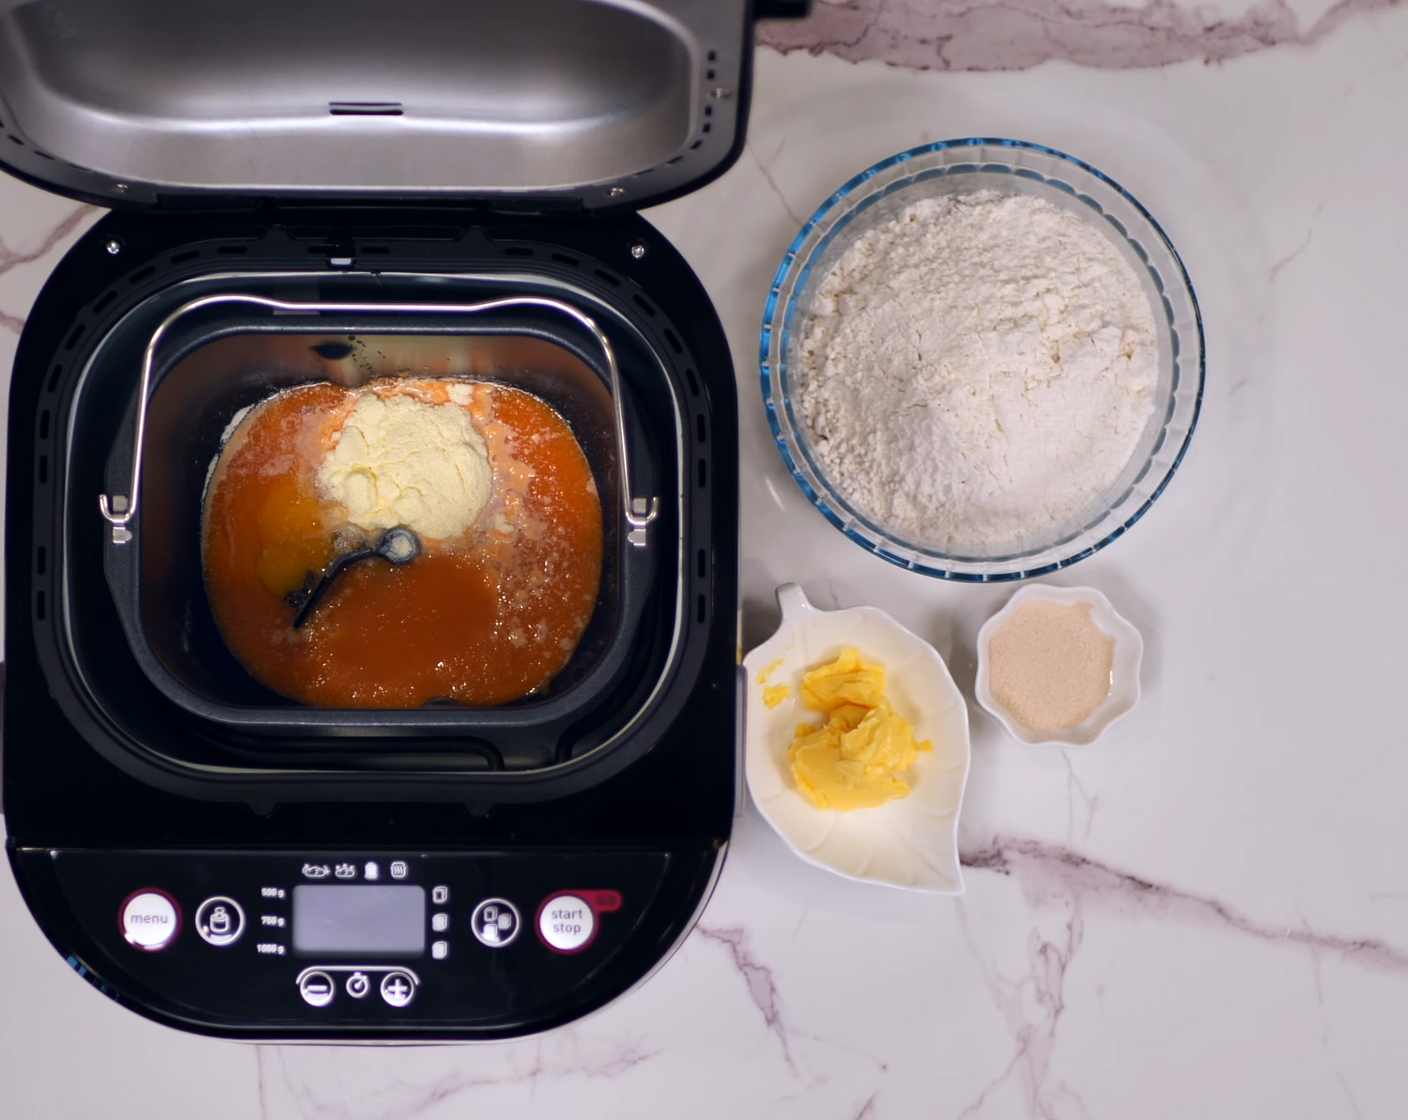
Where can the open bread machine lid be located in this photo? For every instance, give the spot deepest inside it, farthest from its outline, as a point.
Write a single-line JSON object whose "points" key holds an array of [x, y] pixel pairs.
{"points": [[538, 104]]}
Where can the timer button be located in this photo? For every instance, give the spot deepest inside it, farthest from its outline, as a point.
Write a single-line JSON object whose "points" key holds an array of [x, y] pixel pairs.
{"points": [[220, 921], [150, 919]]}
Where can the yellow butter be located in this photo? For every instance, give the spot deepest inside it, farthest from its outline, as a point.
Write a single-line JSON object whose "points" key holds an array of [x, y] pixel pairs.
{"points": [[775, 694], [851, 762], [847, 680], [768, 670]]}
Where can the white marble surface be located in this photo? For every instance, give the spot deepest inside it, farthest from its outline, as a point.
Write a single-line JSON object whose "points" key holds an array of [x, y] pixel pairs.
{"points": [[1206, 914], [1016, 34]]}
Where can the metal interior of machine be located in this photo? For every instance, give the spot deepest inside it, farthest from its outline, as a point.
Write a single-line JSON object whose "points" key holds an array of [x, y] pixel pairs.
{"points": [[496, 96]]}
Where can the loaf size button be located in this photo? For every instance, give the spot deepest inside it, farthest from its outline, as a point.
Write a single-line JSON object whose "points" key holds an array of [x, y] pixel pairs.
{"points": [[220, 921], [150, 920]]}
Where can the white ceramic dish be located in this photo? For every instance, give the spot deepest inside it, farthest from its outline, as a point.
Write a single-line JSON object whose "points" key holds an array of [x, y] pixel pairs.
{"points": [[1124, 676], [911, 843]]}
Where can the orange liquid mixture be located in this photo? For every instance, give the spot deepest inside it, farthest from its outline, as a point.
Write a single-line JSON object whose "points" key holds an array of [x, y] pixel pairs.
{"points": [[485, 618]]}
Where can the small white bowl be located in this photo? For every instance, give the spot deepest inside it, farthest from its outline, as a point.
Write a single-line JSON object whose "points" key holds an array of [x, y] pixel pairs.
{"points": [[911, 843], [1124, 676]]}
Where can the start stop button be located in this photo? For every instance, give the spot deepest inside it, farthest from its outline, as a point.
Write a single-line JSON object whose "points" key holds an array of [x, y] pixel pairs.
{"points": [[150, 919], [567, 921]]}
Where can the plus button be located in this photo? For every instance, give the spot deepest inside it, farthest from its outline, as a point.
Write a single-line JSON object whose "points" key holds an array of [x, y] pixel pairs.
{"points": [[397, 989]]}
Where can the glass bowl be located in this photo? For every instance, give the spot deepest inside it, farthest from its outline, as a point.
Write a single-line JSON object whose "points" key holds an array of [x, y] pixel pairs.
{"points": [[1009, 166]]}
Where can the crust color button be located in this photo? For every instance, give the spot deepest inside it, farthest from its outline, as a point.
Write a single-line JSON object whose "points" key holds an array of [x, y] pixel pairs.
{"points": [[496, 922]]}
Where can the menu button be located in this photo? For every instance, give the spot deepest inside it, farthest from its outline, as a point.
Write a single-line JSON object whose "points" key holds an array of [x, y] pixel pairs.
{"points": [[150, 920]]}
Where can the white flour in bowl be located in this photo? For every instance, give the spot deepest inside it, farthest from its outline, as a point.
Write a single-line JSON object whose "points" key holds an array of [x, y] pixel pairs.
{"points": [[977, 369]]}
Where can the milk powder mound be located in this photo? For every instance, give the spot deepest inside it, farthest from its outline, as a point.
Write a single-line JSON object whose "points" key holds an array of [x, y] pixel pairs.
{"points": [[400, 461], [977, 369]]}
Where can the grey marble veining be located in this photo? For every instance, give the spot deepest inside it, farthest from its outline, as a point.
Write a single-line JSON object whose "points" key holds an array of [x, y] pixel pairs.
{"points": [[1017, 34], [39, 244]]}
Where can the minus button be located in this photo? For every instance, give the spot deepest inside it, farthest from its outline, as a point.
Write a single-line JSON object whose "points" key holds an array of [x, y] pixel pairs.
{"points": [[317, 988]]}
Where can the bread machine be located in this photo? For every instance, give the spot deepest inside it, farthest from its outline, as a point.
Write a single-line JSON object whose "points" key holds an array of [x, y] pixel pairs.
{"points": [[338, 190]]}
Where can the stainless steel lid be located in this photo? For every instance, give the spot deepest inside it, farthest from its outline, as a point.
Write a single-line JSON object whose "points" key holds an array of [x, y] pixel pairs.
{"points": [[577, 103]]}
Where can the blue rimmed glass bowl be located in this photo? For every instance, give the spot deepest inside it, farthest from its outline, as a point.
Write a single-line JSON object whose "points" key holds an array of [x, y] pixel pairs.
{"points": [[1009, 166]]}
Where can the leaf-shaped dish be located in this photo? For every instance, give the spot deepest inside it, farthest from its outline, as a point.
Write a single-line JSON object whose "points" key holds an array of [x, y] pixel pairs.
{"points": [[911, 843]]}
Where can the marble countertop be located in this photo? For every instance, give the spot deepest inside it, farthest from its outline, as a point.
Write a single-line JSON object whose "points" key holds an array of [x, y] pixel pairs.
{"points": [[1205, 914]]}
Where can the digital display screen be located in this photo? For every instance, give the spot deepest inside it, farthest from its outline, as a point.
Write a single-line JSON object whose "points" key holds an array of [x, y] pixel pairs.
{"points": [[357, 920]]}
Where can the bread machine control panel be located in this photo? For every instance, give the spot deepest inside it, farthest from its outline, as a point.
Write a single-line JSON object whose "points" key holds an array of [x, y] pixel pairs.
{"points": [[346, 938]]}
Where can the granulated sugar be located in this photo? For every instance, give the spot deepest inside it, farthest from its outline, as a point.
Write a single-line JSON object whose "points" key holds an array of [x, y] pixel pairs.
{"points": [[1049, 665], [977, 369]]}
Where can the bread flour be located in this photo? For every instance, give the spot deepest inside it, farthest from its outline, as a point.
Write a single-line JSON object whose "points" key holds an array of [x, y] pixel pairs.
{"points": [[977, 369]]}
